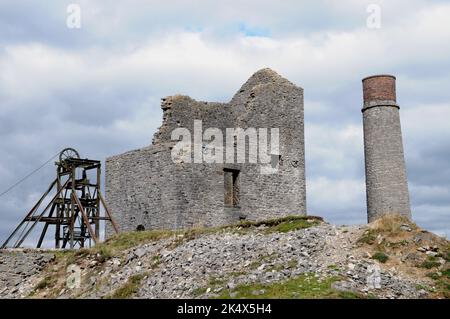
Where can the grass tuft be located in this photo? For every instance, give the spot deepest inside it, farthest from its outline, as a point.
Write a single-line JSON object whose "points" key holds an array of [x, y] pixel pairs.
{"points": [[368, 237], [431, 262], [47, 282], [127, 240], [129, 288], [391, 224], [442, 282], [380, 256], [283, 224], [303, 287]]}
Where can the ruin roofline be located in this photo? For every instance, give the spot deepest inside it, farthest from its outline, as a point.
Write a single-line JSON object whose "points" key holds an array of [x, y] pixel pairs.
{"points": [[262, 77]]}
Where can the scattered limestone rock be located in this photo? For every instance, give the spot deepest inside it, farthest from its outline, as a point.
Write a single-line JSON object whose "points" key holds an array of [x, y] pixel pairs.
{"points": [[209, 264]]}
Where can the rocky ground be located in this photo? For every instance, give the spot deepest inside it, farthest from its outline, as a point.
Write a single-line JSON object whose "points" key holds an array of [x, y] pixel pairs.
{"points": [[286, 258], [18, 270]]}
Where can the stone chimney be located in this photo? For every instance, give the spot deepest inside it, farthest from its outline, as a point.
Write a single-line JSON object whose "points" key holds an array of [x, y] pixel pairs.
{"points": [[386, 181]]}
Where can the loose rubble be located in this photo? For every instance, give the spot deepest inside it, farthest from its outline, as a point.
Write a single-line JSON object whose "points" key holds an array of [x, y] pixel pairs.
{"points": [[212, 263], [18, 270]]}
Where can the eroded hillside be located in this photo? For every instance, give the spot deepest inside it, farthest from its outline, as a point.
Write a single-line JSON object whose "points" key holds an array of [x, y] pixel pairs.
{"points": [[294, 257]]}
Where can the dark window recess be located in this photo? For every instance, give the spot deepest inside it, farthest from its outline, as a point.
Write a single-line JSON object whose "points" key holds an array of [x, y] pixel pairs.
{"points": [[276, 161], [231, 183]]}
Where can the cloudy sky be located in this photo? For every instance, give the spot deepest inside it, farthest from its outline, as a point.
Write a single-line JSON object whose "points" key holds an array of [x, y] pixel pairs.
{"points": [[98, 87]]}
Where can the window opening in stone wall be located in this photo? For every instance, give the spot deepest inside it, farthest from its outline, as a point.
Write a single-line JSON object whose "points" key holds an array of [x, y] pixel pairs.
{"points": [[231, 183], [276, 160]]}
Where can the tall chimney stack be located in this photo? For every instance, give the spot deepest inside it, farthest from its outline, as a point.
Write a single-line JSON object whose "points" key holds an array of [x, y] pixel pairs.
{"points": [[386, 181]]}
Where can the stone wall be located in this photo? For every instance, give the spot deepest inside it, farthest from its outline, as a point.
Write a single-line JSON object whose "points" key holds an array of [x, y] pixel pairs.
{"points": [[18, 268], [145, 187]]}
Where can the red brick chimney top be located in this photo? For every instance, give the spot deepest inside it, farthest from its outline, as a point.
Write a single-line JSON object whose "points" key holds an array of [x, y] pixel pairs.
{"points": [[379, 88]]}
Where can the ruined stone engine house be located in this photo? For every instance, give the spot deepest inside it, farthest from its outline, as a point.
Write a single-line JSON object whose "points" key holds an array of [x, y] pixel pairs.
{"points": [[146, 189]]}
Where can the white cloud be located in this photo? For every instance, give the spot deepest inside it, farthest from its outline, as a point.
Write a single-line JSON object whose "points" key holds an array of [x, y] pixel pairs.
{"points": [[426, 122], [334, 150], [102, 93], [338, 200], [344, 193]]}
